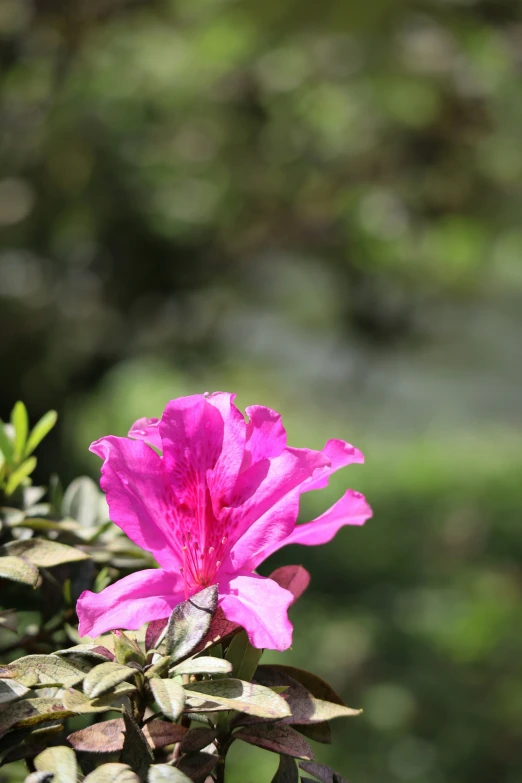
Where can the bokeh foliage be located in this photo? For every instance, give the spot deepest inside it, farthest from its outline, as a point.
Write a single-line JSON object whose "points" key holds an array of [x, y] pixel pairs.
{"points": [[319, 206]]}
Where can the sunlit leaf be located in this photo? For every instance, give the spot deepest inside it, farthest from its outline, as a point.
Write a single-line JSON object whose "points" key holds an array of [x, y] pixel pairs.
{"points": [[6, 444], [170, 697], [242, 696], [30, 712], [78, 702], [304, 707], [44, 553], [61, 761], [203, 665], [42, 670], [189, 623], [39, 431], [11, 690], [164, 773], [278, 738], [93, 651], [105, 677], [243, 657], [19, 475], [18, 570], [112, 773], [20, 422]]}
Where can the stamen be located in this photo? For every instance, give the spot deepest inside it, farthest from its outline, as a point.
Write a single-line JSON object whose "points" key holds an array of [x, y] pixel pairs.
{"points": [[224, 540]]}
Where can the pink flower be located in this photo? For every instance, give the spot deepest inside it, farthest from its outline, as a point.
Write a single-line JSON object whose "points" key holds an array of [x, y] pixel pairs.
{"points": [[223, 496]]}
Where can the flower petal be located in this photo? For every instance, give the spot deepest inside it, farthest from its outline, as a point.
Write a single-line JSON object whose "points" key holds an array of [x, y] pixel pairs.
{"points": [[265, 435], [260, 606], [351, 509], [145, 595], [339, 454], [148, 431], [221, 480], [138, 495], [267, 482], [203, 441]]}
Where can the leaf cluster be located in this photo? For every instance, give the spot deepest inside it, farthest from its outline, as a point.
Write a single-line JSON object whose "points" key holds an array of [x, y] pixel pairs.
{"points": [[165, 707]]}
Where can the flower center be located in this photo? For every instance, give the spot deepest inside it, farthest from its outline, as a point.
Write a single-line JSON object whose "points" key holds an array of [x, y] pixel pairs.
{"points": [[200, 566]]}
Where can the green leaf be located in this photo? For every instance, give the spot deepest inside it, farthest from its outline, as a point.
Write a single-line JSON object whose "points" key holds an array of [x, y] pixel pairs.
{"points": [[113, 700], [61, 761], [11, 690], [83, 501], [286, 771], [278, 738], [44, 553], [8, 620], [241, 696], [127, 649], [20, 422], [170, 697], [30, 712], [243, 657], [92, 651], [189, 623], [6, 444], [112, 773], [19, 475], [203, 665], [164, 773], [44, 670], [39, 431], [18, 570], [136, 750], [105, 677]]}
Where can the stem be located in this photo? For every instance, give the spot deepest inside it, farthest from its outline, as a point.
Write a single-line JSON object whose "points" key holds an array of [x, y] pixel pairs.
{"points": [[222, 748]]}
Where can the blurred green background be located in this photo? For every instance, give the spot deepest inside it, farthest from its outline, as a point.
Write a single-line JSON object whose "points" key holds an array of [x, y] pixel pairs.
{"points": [[317, 205]]}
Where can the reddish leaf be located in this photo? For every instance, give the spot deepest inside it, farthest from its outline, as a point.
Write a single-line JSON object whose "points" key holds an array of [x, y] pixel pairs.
{"points": [[107, 736], [278, 738], [317, 686], [161, 733], [286, 771], [154, 630], [197, 739], [294, 578], [319, 732], [104, 737], [219, 628], [197, 765], [322, 772]]}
